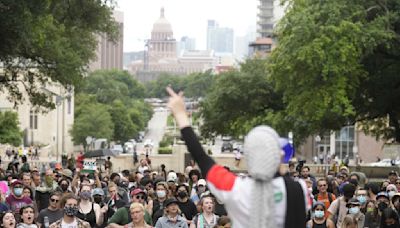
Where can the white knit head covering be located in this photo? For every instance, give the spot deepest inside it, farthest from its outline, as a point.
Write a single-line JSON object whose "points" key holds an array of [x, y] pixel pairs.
{"points": [[263, 152]]}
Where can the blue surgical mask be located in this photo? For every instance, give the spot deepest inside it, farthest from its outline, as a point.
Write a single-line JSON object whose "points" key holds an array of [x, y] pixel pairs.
{"points": [[319, 214], [362, 199], [18, 191], [161, 194], [354, 210]]}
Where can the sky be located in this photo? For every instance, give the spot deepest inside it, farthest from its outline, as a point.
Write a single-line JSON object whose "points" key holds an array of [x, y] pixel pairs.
{"points": [[187, 17]]}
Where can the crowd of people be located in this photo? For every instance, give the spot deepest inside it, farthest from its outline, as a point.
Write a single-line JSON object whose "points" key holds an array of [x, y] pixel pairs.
{"points": [[205, 195]]}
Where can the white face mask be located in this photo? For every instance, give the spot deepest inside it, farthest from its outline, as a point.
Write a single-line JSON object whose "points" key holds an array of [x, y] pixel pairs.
{"points": [[161, 194], [354, 210]]}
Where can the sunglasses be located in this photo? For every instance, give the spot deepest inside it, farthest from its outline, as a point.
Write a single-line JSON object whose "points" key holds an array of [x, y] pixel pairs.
{"points": [[54, 200], [397, 182], [322, 185], [139, 197]]}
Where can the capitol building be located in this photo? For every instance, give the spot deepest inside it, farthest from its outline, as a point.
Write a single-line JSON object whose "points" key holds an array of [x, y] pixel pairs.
{"points": [[161, 55]]}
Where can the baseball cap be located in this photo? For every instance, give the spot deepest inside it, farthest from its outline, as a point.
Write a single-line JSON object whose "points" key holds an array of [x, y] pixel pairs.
{"points": [[353, 201], [171, 201], [202, 182], [67, 173], [137, 191], [171, 177], [98, 191], [382, 194], [393, 172], [16, 182]]}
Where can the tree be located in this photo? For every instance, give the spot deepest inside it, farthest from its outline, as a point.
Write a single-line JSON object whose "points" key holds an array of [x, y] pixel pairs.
{"points": [[9, 130], [239, 99], [93, 120], [337, 63], [124, 129], [110, 85], [45, 41]]}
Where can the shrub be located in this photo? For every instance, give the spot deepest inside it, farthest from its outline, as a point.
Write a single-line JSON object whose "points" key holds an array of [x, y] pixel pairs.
{"points": [[164, 150]]}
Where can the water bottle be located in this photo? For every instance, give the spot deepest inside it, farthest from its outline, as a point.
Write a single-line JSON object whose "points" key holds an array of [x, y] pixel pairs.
{"points": [[46, 222]]}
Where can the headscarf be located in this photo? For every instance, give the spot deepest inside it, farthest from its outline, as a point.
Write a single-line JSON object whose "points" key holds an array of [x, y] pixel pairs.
{"points": [[263, 152]]}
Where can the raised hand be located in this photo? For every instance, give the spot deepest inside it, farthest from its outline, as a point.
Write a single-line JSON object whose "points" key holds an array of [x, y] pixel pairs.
{"points": [[176, 104]]}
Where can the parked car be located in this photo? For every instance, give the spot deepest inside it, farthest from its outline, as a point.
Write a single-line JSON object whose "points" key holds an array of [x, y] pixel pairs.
{"points": [[129, 147], [226, 146], [148, 143], [118, 148], [384, 162], [238, 147]]}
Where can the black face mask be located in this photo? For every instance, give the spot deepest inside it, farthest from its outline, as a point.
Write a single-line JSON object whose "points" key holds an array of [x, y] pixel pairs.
{"points": [[382, 206], [123, 184], [182, 195], [98, 199], [64, 187]]}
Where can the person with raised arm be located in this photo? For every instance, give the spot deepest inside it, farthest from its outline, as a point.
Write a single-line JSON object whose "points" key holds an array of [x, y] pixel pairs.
{"points": [[261, 200]]}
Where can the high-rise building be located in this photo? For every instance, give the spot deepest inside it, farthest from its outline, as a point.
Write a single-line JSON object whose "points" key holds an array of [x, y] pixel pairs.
{"points": [[109, 55], [265, 22], [219, 39], [186, 44]]}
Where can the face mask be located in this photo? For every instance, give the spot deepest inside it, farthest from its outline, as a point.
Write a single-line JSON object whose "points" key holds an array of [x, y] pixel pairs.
{"points": [[85, 195], [392, 226], [382, 206], [319, 214], [391, 194], [362, 199], [123, 184], [161, 194], [354, 210], [18, 191], [370, 209], [64, 187], [70, 211], [182, 195], [98, 199]]}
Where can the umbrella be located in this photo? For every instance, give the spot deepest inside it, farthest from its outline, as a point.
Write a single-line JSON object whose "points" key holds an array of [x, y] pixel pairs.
{"points": [[101, 153]]}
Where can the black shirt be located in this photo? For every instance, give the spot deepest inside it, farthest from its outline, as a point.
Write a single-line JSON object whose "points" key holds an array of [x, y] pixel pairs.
{"points": [[188, 209]]}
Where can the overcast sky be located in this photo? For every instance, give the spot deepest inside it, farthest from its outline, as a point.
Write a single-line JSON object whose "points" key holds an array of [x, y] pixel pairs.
{"points": [[187, 17]]}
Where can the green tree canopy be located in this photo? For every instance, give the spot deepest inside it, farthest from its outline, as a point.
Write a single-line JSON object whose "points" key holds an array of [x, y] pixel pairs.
{"points": [[337, 63], [121, 96], [47, 40], [94, 120], [239, 99], [9, 130]]}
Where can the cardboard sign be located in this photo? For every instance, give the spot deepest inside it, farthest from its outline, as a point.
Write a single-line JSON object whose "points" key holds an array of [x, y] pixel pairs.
{"points": [[89, 166]]}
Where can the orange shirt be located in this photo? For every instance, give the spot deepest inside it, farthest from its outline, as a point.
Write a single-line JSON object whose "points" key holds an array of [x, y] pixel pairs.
{"points": [[325, 199]]}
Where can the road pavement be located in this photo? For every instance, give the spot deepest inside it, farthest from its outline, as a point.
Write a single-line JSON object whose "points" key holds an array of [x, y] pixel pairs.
{"points": [[155, 130]]}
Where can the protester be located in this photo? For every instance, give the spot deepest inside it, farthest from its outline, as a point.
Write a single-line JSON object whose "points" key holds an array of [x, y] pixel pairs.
{"points": [[390, 219], [122, 216], [8, 220], [16, 199], [137, 213], [171, 218], [338, 207], [89, 211], [349, 222], [263, 153], [185, 204], [319, 219], [354, 209], [27, 213], [69, 203], [323, 195], [53, 212], [159, 203], [206, 218]]}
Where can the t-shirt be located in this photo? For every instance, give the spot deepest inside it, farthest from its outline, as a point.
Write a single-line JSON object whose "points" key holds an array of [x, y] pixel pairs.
{"points": [[122, 217], [325, 199], [74, 224], [188, 209], [338, 206], [52, 215], [16, 204]]}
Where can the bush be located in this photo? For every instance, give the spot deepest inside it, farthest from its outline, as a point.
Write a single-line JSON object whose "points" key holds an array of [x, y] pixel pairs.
{"points": [[164, 150], [167, 141]]}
